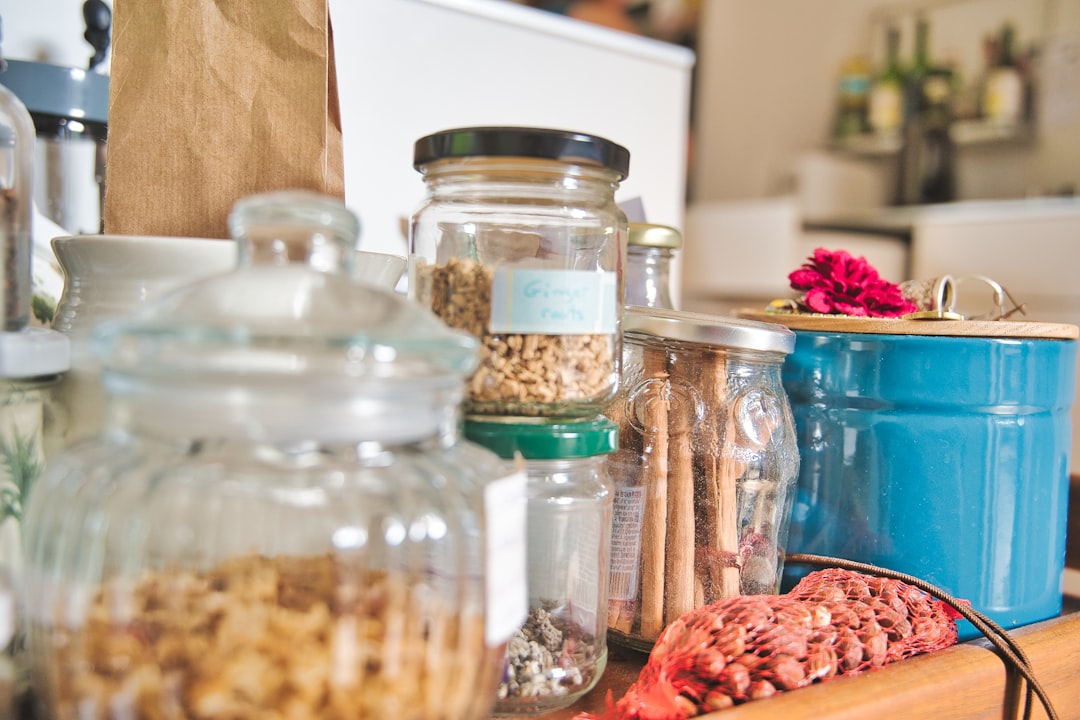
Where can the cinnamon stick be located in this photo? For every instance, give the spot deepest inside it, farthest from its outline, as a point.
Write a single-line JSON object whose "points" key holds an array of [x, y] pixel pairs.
{"points": [[679, 571], [721, 485], [655, 479]]}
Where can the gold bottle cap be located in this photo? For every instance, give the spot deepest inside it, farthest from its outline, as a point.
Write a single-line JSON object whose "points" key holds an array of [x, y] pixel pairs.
{"points": [[652, 235]]}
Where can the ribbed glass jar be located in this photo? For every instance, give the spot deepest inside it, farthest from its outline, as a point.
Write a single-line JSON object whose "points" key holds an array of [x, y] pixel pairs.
{"points": [[560, 652], [280, 518], [519, 241], [706, 468]]}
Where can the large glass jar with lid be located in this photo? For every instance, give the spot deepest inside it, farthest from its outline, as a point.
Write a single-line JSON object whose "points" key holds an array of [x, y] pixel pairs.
{"points": [[519, 241], [280, 518]]}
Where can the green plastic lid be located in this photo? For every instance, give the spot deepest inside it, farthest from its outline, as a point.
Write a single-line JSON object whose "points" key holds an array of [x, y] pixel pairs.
{"points": [[545, 441]]}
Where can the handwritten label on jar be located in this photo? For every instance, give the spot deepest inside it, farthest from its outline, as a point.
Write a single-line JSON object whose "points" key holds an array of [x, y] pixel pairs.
{"points": [[505, 507], [553, 302]]}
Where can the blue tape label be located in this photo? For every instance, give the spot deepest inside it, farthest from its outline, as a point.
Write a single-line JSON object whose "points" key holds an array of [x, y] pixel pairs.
{"points": [[553, 302]]}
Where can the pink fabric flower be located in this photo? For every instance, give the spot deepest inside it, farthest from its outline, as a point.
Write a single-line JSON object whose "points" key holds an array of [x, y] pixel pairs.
{"points": [[834, 282]]}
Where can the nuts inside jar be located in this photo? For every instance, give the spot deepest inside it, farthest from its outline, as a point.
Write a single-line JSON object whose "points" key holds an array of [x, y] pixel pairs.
{"points": [[519, 373], [258, 637]]}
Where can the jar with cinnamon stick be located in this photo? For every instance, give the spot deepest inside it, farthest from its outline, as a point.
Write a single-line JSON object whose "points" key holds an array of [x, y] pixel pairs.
{"points": [[706, 467]]}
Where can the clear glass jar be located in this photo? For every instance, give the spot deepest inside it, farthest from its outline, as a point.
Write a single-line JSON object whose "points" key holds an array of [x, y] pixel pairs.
{"points": [[280, 518], [519, 241], [706, 468], [560, 651], [650, 250], [16, 201]]}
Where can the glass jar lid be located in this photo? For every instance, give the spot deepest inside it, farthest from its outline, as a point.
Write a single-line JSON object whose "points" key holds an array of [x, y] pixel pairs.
{"points": [[652, 235], [543, 143], [281, 348], [544, 440], [721, 331]]}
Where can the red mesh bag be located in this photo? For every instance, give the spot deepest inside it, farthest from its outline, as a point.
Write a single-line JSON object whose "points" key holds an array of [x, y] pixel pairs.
{"points": [[834, 622]]}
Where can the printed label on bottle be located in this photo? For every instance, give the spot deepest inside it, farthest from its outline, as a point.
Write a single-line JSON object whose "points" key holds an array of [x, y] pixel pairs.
{"points": [[553, 302], [505, 506], [1004, 96], [626, 542], [885, 108]]}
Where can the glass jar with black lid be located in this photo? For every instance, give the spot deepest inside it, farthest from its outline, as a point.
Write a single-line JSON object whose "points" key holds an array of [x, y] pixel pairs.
{"points": [[520, 242]]}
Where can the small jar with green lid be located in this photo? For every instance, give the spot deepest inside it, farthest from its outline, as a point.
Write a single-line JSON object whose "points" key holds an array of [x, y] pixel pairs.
{"points": [[561, 650], [650, 249]]}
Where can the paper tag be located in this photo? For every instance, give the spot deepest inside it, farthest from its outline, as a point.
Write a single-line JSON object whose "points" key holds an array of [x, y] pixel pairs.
{"points": [[626, 542], [505, 505], [553, 302]]}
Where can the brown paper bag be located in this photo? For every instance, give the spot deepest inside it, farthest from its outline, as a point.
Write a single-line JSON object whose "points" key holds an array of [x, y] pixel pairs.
{"points": [[211, 101]]}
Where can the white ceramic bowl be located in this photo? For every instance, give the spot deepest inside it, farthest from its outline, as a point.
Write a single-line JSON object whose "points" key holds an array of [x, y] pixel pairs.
{"points": [[108, 276], [379, 269]]}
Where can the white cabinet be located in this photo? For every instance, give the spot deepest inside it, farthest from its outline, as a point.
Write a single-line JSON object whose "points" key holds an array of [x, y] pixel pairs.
{"points": [[407, 68]]}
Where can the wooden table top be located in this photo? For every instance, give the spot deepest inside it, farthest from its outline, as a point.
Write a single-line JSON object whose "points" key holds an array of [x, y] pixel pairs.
{"points": [[965, 682]]}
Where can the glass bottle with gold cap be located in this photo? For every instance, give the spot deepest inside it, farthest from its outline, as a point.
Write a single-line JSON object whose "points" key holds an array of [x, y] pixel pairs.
{"points": [[650, 249]]}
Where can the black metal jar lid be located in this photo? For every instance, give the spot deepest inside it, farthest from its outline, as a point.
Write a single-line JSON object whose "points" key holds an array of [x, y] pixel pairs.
{"points": [[549, 144]]}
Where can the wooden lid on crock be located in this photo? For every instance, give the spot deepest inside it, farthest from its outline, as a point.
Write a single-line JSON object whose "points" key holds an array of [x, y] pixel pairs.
{"points": [[894, 326]]}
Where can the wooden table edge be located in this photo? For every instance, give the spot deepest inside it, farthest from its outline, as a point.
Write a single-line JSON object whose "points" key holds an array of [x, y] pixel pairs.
{"points": [[964, 682]]}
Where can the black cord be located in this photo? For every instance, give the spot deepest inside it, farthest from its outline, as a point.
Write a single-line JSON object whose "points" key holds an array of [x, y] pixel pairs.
{"points": [[998, 637]]}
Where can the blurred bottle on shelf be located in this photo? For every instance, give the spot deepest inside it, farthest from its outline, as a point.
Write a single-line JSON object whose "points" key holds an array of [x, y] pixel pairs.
{"points": [[926, 163], [885, 109], [1003, 95], [853, 97], [919, 70]]}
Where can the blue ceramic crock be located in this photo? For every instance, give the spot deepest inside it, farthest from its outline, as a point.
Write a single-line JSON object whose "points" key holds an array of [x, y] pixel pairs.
{"points": [[940, 456]]}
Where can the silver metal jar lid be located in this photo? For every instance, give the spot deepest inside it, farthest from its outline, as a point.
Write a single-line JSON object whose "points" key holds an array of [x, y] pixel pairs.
{"points": [[716, 330]]}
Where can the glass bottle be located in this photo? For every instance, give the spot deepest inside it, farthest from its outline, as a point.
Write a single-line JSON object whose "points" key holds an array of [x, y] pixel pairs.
{"points": [[280, 517], [887, 92], [706, 468], [926, 164], [16, 199], [852, 98], [519, 241], [650, 249], [560, 651], [1003, 102]]}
